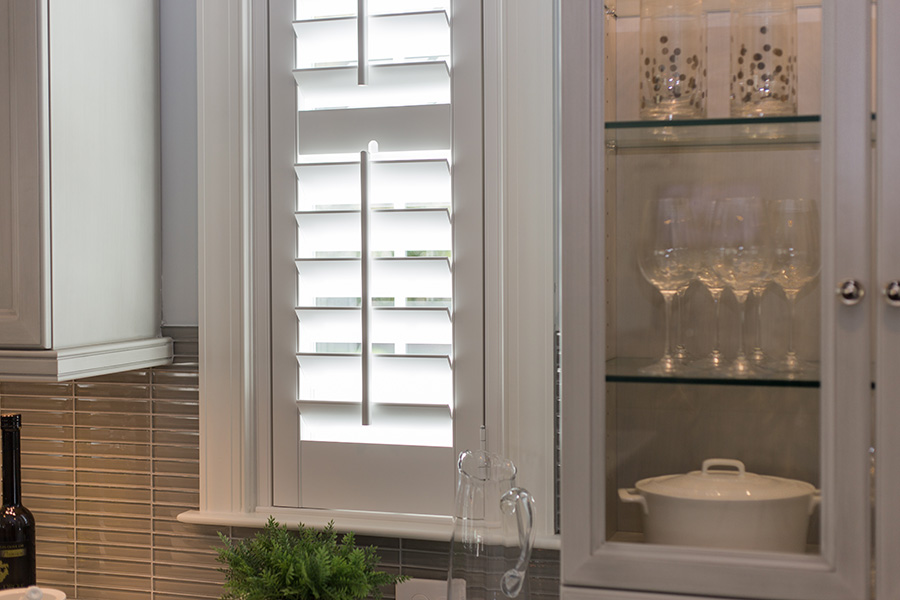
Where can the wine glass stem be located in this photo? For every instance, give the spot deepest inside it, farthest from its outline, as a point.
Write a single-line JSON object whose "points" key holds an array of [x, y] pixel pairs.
{"points": [[680, 297], [716, 303], [668, 297], [759, 321], [742, 313], [791, 298]]}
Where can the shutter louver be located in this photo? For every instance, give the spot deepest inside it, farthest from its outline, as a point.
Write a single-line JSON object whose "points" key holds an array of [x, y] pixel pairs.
{"points": [[390, 312]]}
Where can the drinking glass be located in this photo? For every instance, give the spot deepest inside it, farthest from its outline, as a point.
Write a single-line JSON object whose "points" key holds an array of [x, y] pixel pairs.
{"points": [[666, 259], [796, 262], [741, 257], [715, 360], [672, 59], [763, 58]]}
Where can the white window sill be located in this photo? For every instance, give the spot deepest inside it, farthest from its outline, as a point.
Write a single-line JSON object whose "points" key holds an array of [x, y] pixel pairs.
{"points": [[360, 523]]}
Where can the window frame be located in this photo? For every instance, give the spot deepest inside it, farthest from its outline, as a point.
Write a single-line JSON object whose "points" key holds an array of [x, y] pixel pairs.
{"points": [[433, 465], [517, 344]]}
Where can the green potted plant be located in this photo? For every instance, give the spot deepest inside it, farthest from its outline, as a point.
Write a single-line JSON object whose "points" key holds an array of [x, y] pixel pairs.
{"points": [[278, 564]]}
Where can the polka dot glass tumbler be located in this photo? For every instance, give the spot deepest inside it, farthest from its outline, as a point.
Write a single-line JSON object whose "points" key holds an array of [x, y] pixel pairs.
{"points": [[763, 58], [672, 59]]}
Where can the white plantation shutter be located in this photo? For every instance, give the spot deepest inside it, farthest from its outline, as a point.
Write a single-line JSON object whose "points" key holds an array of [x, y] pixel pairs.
{"points": [[363, 406], [406, 305]]}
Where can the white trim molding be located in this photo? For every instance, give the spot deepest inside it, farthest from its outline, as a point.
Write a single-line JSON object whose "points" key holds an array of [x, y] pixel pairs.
{"points": [[235, 479], [223, 77], [84, 361], [519, 277], [384, 524]]}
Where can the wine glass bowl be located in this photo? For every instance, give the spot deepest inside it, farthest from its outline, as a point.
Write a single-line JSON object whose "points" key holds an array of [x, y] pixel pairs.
{"points": [[796, 262], [666, 258]]}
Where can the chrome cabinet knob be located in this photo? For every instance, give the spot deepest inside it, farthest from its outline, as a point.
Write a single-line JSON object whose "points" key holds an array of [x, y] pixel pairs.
{"points": [[892, 293], [851, 292]]}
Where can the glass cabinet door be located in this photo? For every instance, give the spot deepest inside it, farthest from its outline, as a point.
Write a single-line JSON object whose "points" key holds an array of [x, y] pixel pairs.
{"points": [[715, 186]]}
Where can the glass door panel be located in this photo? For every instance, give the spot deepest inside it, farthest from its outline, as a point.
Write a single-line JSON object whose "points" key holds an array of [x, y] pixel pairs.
{"points": [[715, 217], [731, 167]]}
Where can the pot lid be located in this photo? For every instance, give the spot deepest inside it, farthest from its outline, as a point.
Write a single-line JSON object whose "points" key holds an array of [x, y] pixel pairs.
{"points": [[716, 483]]}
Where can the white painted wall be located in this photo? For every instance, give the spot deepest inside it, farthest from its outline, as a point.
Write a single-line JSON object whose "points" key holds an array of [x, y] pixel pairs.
{"points": [[178, 83]]}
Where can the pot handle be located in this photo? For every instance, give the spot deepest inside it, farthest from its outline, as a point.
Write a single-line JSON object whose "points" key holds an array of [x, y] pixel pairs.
{"points": [[633, 496], [519, 502], [723, 462], [815, 500]]}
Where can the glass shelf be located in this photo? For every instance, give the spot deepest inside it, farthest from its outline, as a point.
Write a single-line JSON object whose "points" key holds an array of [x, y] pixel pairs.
{"points": [[780, 131], [628, 370]]}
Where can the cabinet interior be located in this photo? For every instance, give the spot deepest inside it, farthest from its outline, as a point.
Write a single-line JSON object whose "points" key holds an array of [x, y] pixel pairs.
{"points": [[665, 425]]}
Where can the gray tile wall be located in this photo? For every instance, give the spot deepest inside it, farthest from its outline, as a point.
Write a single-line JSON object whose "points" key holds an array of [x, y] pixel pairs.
{"points": [[108, 463]]}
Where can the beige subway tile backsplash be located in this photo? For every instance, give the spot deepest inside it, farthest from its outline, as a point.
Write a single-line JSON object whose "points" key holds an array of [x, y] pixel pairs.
{"points": [[88, 591], [112, 420], [13, 388], [33, 446], [186, 589], [114, 523], [105, 434], [194, 545], [111, 551], [39, 504], [47, 518], [176, 423], [114, 494], [41, 409]]}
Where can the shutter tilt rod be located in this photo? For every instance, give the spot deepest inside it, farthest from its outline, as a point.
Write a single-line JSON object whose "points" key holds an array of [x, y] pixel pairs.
{"points": [[362, 42], [365, 265]]}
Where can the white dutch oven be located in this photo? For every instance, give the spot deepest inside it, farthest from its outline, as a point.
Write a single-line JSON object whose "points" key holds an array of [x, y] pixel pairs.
{"points": [[719, 508]]}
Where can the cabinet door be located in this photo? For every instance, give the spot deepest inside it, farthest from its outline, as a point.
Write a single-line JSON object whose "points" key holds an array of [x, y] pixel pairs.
{"points": [[716, 232], [21, 286]]}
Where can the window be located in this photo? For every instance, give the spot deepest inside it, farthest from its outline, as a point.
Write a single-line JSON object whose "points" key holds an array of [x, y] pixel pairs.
{"points": [[364, 230], [274, 435]]}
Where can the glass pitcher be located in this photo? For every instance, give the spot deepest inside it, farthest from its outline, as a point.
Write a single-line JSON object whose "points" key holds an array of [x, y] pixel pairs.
{"points": [[492, 530]]}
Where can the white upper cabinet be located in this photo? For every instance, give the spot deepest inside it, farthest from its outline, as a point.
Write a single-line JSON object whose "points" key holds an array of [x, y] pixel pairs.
{"points": [[79, 189], [722, 172]]}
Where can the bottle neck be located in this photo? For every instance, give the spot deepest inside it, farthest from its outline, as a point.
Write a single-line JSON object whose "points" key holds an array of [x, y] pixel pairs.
{"points": [[12, 472]]}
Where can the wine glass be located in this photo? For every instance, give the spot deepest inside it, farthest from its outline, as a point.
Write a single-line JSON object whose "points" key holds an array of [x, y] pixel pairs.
{"points": [[741, 257], [795, 241], [715, 360], [665, 258]]}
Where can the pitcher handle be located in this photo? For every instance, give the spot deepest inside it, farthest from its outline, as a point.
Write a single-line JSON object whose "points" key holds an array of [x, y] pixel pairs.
{"points": [[519, 502]]}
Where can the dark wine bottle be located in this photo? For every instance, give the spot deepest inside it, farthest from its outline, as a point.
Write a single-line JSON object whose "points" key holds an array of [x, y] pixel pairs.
{"points": [[17, 558]]}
